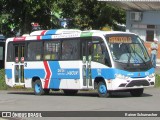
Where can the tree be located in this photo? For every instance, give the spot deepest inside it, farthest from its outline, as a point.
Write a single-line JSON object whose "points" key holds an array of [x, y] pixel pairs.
{"points": [[91, 14], [23, 12], [82, 14]]}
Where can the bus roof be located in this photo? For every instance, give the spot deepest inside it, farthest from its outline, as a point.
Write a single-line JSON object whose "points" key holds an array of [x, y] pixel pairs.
{"points": [[64, 33], [108, 32], [72, 31], [55, 32]]}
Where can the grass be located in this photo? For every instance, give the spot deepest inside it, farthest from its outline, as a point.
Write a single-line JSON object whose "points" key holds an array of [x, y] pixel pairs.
{"points": [[157, 84], [3, 85]]}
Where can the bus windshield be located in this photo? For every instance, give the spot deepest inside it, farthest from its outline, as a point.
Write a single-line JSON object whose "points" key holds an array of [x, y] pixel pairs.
{"points": [[127, 49]]}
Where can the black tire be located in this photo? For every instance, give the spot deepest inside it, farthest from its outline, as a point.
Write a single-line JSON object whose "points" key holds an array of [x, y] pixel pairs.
{"points": [[38, 90], [102, 90], [70, 92], [137, 92]]}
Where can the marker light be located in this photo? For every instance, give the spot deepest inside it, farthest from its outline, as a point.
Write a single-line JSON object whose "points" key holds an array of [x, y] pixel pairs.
{"points": [[151, 75]]}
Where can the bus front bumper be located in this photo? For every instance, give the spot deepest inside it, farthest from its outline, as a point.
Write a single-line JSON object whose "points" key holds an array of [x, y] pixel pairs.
{"points": [[131, 83]]}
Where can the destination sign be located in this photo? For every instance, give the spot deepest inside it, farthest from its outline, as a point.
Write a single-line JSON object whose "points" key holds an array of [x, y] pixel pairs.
{"points": [[120, 39]]}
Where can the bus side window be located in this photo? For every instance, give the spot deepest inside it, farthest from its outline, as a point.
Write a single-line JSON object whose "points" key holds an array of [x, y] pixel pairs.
{"points": [[34, 51], [70, 50], [51, 50], [106, 54], [100, 52], [10, 52]]}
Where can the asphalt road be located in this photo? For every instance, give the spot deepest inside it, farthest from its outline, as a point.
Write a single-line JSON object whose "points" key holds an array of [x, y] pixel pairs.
{"points": [[83, 101]]}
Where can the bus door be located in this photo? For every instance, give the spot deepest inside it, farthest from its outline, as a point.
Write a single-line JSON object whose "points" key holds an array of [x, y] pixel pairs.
{"points": [[86, 60], [18, 70]]}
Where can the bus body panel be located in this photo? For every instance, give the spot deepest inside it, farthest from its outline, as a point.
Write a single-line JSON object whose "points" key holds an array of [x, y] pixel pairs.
{"points": [[53, 74], [81, 73], [66, 75]]}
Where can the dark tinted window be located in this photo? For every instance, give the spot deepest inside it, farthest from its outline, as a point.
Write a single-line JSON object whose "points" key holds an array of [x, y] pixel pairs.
{"points": [[34, 51], [70, 50], [10, 52]]}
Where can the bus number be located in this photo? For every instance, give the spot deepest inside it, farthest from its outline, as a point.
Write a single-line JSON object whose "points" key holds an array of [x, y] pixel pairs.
{"points": [[25, 64]]}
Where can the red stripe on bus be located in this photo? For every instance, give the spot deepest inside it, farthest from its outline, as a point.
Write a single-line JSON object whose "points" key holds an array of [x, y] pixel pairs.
{"points": [[38, 37], [43, 32], [19, 38], [48, 74]]}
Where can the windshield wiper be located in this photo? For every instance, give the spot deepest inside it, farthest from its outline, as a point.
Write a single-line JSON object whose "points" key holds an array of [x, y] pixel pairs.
{"points": [[139, 56], [129, 56]]}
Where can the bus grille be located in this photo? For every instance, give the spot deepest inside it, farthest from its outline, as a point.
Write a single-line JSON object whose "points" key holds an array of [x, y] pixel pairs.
{"points": [[138, 83]]}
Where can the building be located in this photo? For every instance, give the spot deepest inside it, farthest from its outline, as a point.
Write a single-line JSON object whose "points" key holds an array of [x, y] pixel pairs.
{"points": [[142, 18]]}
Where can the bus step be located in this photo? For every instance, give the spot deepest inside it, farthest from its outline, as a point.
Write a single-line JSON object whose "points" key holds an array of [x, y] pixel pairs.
{"points": [[19, 86]]}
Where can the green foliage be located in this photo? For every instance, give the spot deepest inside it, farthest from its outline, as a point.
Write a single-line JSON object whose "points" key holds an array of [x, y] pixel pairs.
{"points": [[91, 14], [3, 85], [23, 12], [157, 84], [83, 14]]}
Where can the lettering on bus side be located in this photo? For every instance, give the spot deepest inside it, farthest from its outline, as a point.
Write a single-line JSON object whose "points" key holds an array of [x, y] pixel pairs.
{"points": [[67, 72], [72, 72], [60, 72]]}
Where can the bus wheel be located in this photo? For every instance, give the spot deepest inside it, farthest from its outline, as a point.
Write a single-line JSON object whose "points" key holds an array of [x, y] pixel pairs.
{"points": [[70, 92], [136, 92], [102, 90], [38, 90]]}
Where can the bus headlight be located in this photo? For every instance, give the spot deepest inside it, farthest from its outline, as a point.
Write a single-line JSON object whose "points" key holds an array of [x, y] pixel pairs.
{"points": [[151, 75], [120, 76]]}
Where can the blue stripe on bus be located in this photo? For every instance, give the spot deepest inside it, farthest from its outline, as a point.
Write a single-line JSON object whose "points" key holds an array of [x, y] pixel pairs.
{"points": [[109, 73], [47, 37], [8, 73], [58, 73], [105, 73], [61, 73], [74, 73], [48, 34], [136, 74], [29, 73], [51, 32], [54, 67]]}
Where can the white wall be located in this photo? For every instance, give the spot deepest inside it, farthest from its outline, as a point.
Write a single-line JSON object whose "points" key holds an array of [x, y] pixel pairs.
{"points": [[140, 27]]}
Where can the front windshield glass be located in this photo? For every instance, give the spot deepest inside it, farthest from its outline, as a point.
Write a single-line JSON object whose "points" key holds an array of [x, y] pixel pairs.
{"points": [[127, 49]]}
